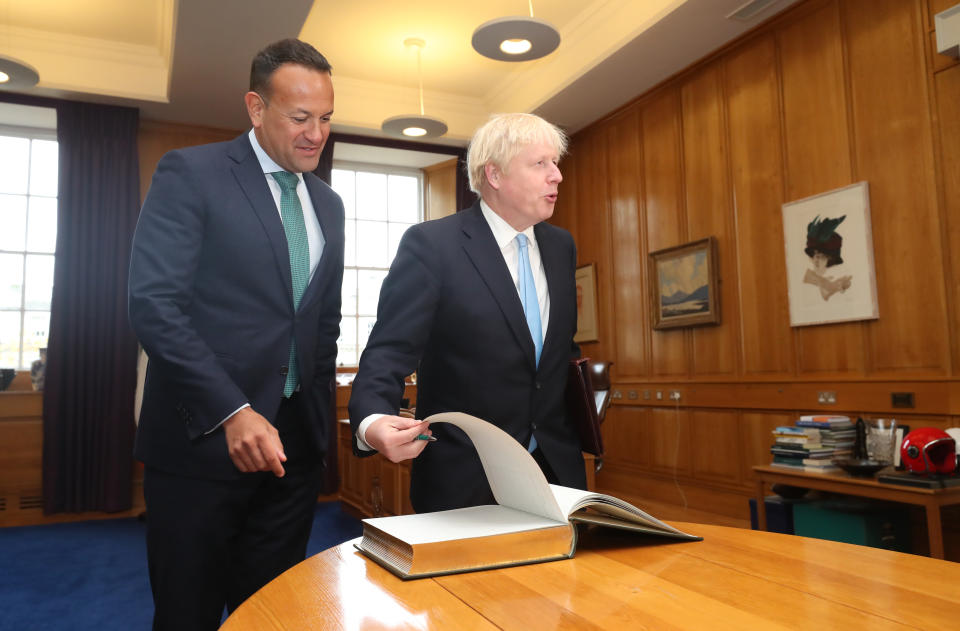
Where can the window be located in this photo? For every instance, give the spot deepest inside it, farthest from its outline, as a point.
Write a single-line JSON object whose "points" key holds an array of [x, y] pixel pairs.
{"points": [[28, 216], [380, 204]]}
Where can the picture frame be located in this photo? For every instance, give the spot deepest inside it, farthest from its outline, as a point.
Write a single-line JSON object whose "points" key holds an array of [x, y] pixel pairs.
{"points": [[828, 245], [684, 285], [588, 329]]}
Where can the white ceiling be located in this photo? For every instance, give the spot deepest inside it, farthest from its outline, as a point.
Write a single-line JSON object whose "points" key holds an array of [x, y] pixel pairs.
{"points": [[188, 60]]}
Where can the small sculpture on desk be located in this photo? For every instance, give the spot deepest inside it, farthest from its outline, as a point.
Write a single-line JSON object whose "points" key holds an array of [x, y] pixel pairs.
{"points": [[38, 370]]}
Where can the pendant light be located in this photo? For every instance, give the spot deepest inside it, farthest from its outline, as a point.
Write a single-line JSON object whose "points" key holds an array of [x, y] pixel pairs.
{"points": [[415, 125], [16, 75], [517, 38]]}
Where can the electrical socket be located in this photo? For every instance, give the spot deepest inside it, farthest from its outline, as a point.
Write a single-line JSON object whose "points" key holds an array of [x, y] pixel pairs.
{"points": [[631, 394], [826, 397], [659, 395], [674, 395]]}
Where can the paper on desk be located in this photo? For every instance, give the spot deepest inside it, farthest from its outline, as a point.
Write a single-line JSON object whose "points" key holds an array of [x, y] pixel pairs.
{"points": [[513, 474]]}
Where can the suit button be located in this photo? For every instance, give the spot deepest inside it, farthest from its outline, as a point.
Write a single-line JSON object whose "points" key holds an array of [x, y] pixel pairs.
{"points": [[537, 385], [533, 425], [283, 370]]}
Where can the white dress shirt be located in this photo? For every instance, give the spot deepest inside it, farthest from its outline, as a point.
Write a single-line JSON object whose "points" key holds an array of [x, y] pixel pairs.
{"points": [[506, 238]]}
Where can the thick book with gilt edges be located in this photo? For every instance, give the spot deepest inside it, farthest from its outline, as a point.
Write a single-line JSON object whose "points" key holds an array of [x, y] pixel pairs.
{"points": [[532, 522]]}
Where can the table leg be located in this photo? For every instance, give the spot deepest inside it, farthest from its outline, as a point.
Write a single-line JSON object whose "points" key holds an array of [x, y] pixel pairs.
{"points": [[762, 507], [934, 530]]}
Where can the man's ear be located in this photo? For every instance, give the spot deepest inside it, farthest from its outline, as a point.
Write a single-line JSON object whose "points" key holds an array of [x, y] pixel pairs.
{"points": [[492, 173], [255, 106]]}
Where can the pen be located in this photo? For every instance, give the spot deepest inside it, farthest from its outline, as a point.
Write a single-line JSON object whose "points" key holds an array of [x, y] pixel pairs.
{"points": [[425, 437]]}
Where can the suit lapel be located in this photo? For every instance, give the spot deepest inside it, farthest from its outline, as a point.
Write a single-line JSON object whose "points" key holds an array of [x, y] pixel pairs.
{"points": [[487, 258], [323, 266], [250, 178], [553, 265]]}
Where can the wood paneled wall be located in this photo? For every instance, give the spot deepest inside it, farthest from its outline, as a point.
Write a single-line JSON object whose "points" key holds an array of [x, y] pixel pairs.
{"points": [[829, 93], [440, 189]]}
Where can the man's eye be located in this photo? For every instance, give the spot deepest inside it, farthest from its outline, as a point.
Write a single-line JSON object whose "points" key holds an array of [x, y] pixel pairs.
{"points": [[300, 119]]}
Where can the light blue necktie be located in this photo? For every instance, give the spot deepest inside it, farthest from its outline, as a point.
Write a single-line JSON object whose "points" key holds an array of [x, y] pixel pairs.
{"points": [[299, 249], [531, 307]]}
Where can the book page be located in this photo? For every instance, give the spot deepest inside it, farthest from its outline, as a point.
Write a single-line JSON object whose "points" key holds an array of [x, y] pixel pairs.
{"points": [[513, 474], [460, 523], [572, 500]]}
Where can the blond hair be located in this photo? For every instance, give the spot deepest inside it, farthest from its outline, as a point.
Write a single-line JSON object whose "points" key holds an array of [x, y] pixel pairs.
{"points": [[502, 137]]}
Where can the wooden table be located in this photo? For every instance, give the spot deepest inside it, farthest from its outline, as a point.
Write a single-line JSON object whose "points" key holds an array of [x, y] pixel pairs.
{"points": [[733, 579], [931, 499]]}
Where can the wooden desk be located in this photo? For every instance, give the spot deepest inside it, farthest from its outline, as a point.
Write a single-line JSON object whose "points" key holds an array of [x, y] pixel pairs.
{"points": [[931, 499], [734, 579]]}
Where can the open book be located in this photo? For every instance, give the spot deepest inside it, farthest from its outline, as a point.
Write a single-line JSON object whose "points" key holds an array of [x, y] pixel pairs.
{"points": [[533, 521]]}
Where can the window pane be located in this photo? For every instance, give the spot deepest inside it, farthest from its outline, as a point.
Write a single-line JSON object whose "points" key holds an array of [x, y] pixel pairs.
{"points": [[371, 195], [11, 281], [348, 302], [10, 339], [42, 225], [396, 232], [14, 162], [36, 326], [372, 245], [343, 185], [13, 218], [404, 199], [369, 282], [43, 168], [347, 343], [364, 326], [350, 243], [39, 281]]}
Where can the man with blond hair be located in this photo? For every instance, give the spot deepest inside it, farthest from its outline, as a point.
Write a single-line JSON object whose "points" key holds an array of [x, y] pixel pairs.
{"points": [[482, 305]]}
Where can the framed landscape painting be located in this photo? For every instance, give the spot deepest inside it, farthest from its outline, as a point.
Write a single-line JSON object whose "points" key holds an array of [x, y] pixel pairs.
{"points": [[683, 285]]}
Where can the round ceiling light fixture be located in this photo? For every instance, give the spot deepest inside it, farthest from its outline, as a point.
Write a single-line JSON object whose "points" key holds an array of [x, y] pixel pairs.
{"points": [[16, 75], [415, 125], [517, 38]]}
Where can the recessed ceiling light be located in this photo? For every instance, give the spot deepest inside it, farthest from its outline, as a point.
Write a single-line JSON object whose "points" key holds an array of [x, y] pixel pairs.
{"points": [[16, 75]]}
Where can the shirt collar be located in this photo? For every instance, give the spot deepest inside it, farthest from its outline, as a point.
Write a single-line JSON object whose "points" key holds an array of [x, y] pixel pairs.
{"points": [[266, 162], [503, 232]]}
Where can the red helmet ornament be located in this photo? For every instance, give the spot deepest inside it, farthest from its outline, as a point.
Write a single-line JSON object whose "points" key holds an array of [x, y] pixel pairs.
{"points": [[928, 450]]}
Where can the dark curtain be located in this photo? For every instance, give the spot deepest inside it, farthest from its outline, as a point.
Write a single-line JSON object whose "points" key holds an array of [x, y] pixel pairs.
{"points": [[88, 423]]}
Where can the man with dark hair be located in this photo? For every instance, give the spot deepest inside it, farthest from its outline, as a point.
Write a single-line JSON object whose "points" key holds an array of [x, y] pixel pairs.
{"points": [[235, 282]]}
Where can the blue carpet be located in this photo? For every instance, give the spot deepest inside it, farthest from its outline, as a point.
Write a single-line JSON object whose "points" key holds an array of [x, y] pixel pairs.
{"points": [[92, 575]]}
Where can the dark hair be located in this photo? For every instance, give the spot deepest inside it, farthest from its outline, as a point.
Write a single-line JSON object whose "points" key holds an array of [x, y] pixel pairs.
{"points": [[286, 51]]}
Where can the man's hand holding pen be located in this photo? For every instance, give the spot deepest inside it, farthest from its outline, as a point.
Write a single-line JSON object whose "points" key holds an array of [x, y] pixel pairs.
{"points": [[399, 438]]}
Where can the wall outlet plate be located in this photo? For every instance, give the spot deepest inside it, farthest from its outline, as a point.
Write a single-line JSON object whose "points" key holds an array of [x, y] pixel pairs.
{"points": [[826, 397]]}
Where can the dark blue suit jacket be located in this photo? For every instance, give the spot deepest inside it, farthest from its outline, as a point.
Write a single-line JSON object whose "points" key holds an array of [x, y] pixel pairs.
{"points": [[449, 310], [211, 302]]}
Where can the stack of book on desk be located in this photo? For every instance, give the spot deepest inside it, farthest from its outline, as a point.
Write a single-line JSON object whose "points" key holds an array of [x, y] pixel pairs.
{"points": [[813, 443]]}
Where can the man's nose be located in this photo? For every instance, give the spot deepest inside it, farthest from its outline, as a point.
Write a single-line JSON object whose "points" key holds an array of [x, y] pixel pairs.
{"points": [[555, 175]]}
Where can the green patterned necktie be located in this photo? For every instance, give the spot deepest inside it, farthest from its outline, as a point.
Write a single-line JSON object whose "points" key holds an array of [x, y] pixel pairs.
{"points": [[299, 249]]}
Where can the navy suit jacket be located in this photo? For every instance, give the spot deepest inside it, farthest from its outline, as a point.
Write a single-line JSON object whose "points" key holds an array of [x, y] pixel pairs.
{"points": [[449, 310], [211, 302]]}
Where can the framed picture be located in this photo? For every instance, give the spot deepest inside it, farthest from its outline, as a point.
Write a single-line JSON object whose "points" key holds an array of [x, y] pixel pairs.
{"points": [[683, 285], [587, 329], [829, 251]]}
